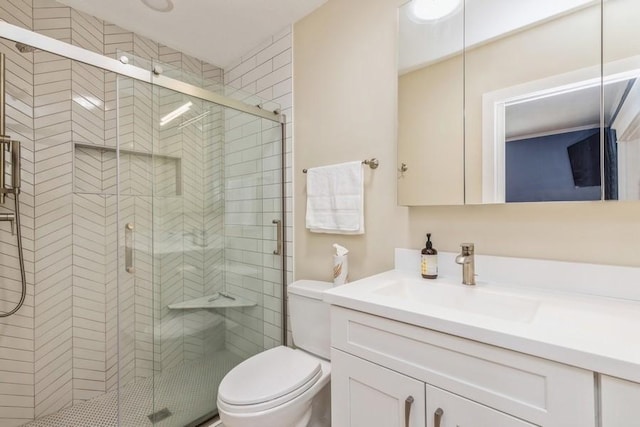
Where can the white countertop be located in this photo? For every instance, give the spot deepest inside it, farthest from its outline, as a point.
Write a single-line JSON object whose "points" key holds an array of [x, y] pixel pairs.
{"points": [[596, 333]]}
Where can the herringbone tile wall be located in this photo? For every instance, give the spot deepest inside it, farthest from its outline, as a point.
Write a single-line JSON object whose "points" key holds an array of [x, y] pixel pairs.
{"points": [[17, 355], [62, 347], [200, 226]]}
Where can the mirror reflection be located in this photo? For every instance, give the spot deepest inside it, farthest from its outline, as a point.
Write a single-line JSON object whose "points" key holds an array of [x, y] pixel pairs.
{"points": [[549, 100], [561, 143], [552, 150]]}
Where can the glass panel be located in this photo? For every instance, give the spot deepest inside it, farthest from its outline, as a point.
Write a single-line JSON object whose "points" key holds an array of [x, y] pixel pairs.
{"points": [[201, 185], [135, 118], [64, 361], [188, 256], [621, 56], [216, 192], [532, 101]]}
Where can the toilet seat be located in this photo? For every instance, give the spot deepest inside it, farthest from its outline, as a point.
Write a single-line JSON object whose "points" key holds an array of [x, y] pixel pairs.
{"points": [[268, 379]]}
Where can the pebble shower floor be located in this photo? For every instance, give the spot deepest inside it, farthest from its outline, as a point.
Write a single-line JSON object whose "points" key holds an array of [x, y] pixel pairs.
{"points": [[185, 390]]}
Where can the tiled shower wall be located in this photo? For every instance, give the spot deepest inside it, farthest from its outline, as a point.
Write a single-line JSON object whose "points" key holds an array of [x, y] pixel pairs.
{"points": [[62, 347], [17, 347], [252, 164]]}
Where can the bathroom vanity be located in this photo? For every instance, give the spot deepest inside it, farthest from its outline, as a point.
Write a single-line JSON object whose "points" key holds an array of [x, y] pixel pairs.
{"points": [[414, 352]]}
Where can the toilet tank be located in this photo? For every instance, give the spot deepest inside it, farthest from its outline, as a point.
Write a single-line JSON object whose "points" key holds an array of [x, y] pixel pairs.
{"points": [[310, 324]]}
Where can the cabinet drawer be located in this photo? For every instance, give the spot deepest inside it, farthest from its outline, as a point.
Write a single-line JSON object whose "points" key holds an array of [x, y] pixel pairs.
{"points": [[456, 411], [537, 390]]}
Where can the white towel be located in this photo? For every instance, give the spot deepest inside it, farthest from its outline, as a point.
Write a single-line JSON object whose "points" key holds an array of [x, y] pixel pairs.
{"points": [[335, 199]]}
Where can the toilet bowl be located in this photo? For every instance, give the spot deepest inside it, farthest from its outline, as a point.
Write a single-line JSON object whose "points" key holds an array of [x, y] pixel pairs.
{"points": [[285, 387], [280, 394]]}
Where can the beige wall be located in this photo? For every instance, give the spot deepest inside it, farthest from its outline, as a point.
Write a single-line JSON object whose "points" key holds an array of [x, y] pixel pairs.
{"points": [[345, 108], [345, 90]]}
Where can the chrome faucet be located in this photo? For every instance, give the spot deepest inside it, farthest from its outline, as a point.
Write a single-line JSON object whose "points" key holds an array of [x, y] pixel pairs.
{"points": [[467, 261]]}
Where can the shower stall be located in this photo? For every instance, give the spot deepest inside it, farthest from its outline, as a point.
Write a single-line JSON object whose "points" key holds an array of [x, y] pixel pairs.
{"points": [[152, 229]]}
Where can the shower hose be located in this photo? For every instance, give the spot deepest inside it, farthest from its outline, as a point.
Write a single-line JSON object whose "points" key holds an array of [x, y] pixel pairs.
{"points": [[20, 258]]}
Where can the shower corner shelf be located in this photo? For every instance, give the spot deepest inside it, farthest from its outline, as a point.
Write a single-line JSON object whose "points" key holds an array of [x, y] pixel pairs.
{"points": [[216, 300]]}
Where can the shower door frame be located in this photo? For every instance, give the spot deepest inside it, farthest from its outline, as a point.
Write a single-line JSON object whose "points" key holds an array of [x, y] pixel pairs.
{"points": [[48, 44], [66, 50]]}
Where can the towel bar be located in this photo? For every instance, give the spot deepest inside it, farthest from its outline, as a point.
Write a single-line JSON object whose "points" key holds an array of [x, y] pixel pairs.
{"points": [[373, 164]]}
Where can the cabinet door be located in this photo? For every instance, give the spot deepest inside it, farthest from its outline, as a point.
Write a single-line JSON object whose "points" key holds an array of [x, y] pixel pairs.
{"points": [[445, 409], [620, 402], [364, 394]]}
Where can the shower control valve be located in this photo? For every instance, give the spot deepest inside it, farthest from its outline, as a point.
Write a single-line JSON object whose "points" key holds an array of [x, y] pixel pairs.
{"points": [[9, 216]]}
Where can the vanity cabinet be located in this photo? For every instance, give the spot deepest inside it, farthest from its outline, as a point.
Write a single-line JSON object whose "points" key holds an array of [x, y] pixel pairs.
{"points": [[377, 363], [365, 394], [620, 401]]}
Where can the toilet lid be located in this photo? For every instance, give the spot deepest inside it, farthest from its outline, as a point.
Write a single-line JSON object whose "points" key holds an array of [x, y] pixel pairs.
{"points": [[267, 376]]}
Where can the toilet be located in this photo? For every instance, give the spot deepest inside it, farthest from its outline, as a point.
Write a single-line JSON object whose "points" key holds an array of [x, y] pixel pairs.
{"points": [[285, 387]]}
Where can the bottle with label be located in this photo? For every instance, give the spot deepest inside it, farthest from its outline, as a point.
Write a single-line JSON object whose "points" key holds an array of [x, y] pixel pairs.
{"points": [[340, 265], [429, 260]]}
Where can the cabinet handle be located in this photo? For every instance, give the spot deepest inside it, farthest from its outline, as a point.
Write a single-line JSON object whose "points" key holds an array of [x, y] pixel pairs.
{"points": [[407, 410], [437, 417]]}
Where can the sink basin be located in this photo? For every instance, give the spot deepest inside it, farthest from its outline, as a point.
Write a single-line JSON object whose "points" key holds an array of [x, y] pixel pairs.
{"points": [[456, 297]]}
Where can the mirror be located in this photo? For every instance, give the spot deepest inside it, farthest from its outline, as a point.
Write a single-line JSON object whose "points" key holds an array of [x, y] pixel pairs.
{"points": [[550, 102], [554, 142], [431, 106], [621, 59]]}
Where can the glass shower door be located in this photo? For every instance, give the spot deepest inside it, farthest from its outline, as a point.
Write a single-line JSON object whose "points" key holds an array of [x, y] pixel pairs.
{"points": [[189, 357], [200, 222], [215, 199], [135, 123]]}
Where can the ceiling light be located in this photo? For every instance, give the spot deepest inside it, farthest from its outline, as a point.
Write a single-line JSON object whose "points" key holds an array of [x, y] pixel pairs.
{"points": [[176, 113], [430, 10], [159, 5]]}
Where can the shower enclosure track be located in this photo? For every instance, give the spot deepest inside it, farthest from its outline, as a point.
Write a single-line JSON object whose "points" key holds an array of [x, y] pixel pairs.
{"points": [[48, 44]]}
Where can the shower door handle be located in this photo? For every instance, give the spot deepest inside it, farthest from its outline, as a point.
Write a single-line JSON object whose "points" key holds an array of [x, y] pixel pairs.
{"points": [[128, 248], [278, 223]]}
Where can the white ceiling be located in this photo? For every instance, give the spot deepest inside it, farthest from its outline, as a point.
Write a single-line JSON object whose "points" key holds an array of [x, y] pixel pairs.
{"points": [[217, 31], [563, 112]]}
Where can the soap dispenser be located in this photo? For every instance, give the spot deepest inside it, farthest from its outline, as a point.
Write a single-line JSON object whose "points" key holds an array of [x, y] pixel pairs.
{"points": [[429, 260]]}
